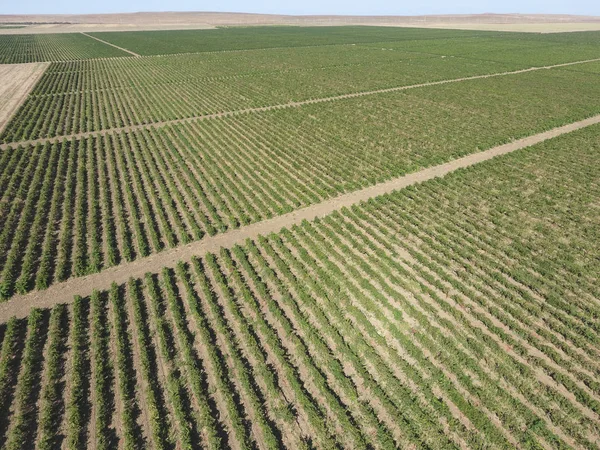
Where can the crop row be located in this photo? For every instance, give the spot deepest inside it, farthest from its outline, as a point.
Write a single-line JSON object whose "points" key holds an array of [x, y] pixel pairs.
{"points": [[76, 207], [86, 75], [528, 50], [246, 38], [135, 99], [462, 312], [25, 48], [99, 95]]}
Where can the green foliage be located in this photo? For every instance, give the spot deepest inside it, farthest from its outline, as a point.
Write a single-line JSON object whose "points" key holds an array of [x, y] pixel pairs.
{"points": [[26, 48], [462, 312], [244, 38]]}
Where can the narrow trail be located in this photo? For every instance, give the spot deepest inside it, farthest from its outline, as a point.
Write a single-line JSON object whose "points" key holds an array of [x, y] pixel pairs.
{"points": [[160, 124], [108, 43], [21, 305]]}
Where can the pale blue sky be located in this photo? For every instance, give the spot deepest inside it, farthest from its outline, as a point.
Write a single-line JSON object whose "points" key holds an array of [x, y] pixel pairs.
{"points": [[370, 7]]}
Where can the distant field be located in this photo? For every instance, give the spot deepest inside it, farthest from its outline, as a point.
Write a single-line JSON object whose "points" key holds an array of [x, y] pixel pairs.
{"points": [[86, 96], [522, 50], [248, 38], [96, 95], [462, 312], [28, 48], [429, 315]]}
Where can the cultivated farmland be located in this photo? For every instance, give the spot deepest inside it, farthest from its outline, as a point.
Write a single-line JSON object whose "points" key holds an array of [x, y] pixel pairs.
{"points": [[462, 312], [52, 47], [187, 41], [120, 196], [426, 316]]}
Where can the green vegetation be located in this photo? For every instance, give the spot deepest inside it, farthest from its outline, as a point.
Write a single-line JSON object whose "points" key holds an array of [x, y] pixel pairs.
{"points": [[462, 312], [249, 38], [95, 95], [26, 48], [117, 197], [519, 48]]}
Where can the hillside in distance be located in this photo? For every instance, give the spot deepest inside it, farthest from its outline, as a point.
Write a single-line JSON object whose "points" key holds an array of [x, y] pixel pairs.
{"points": [[60, 23]]}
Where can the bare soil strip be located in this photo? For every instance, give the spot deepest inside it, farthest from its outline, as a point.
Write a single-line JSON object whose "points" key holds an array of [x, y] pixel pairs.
{"points": [[21, 305], [112, 45], [160, 124], [16, 80]]}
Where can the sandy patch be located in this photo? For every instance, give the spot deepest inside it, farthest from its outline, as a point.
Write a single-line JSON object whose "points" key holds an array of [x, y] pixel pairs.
{"points": [[16, 80]]}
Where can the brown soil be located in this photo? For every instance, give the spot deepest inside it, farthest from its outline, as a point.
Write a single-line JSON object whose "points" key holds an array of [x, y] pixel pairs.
{"points": [[281, 106], [63, 292], [62, 23], [16, 80]]}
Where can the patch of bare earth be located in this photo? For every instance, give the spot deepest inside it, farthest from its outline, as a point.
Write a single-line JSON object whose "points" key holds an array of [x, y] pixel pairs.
{"points": [[16, 81]]}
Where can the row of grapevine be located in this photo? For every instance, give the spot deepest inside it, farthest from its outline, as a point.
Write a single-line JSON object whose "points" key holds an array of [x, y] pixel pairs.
{"points": [[475, 44], [268, 37], [460, 313], [26, 48], [76, 207], [85, 75], [100, 201], [75, 76], [533, 50], [352, 332], [90, 96]]}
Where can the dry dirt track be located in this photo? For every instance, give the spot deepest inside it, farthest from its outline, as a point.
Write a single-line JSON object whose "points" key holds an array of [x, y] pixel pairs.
{"points": [[108, 43], [21, 305], [16, 80], [285, 105]]}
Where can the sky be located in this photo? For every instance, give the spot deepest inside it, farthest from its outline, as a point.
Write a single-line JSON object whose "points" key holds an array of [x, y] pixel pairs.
{"points": [[370, 7]]}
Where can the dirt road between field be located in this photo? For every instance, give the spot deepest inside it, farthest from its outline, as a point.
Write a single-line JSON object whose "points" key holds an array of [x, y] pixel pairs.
{"points": [[21, 305], [108, 43], [283, 105], [16, 81]]}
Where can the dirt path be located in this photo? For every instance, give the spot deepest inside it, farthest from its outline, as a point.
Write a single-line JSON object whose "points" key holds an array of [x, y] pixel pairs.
{"points": [[159, 124], [112, 45], [21, 305], [16, 80]]}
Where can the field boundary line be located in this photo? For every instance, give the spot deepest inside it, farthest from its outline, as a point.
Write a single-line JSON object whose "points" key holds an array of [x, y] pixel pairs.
{"points": [[163, 123], [112, 45], [64, 292]]}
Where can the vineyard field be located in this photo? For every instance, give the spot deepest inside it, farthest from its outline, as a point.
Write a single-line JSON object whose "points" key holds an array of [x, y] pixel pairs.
{"points": [[251, 38], [120, 196], [95, 95], [87, 96], [459, 313], [523, 50], [27, 48]]}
